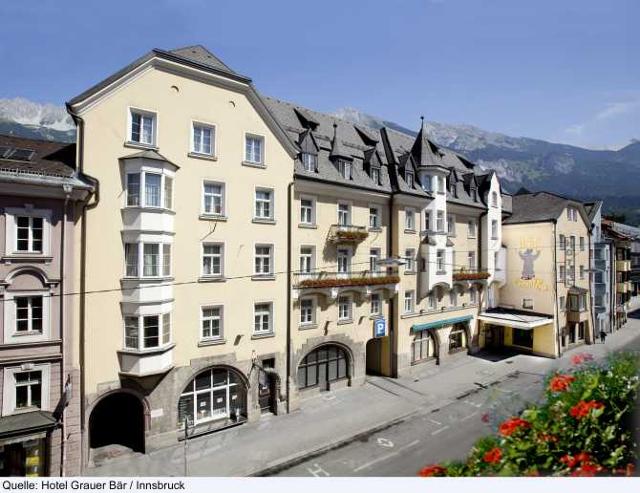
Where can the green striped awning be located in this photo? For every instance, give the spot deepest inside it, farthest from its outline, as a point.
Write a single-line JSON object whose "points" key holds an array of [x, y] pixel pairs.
{"points": [[440, 323]]}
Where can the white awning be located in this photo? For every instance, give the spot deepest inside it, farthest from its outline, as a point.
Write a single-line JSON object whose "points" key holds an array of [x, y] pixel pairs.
{"points": [[517, 320]]}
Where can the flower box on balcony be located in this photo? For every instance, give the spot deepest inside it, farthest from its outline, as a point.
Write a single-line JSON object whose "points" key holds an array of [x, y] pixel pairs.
{"points": [[348, 234], [349, 281], [470, 276]]}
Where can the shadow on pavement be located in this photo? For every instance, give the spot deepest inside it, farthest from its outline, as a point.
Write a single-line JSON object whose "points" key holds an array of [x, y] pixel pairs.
{"points": [[634, 314], [495, 355]]}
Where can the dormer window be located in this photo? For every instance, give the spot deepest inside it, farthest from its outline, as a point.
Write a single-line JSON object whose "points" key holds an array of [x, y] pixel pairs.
{"points": [[310, 162], [409, 178], [344, 168], [375, 175], [426, 183], [474, 194]]}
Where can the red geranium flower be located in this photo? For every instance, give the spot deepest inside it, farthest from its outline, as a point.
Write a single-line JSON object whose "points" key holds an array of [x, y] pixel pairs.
{"points": [[582, 408], [432, 470], [546, 437], [569, 461], [560, 383], [493, 456], [512, 425], [587, 469]]}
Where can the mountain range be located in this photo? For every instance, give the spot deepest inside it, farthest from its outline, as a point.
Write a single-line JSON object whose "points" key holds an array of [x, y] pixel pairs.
{"points": [[587, 174]]}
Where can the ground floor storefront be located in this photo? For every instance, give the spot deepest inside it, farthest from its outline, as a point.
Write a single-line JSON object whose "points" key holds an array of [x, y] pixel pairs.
{"points": [[26, 445]]}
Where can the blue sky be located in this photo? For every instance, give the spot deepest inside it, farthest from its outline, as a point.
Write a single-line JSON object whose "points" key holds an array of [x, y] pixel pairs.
{"points": [[560, 70]]}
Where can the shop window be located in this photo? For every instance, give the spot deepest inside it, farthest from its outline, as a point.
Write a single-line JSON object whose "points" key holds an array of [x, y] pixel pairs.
{"points": [[523, 338], [322, 365], [423, 347], [457, 339]]}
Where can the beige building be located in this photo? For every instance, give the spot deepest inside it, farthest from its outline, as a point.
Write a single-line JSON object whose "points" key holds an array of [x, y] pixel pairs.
{"points": [[545, 305], [184, 316]]}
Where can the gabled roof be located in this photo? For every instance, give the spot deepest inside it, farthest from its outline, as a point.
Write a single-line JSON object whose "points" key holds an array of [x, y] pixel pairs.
{"points": [[199, 54], [541, 207], [151, 154], [424, 152], [337, 147]]}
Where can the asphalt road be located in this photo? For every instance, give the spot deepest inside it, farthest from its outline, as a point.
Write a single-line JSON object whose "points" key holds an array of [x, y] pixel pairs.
{"points": [[444, 434]]}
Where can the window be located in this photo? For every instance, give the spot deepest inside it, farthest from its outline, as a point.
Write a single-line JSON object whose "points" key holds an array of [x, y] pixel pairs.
{"points": [[375, 304], [410, 219], [143, 128], [262, 318], [263, 260], [440, 261], [203, 139], [253, 152], [527, 304], [151, 259], [166, 260], [562, 273], [562, 244], [431, 300], [375, 175], [457, 338], [582, 243], [325, 364], [310, 162], [422, 346], [494, 229], [212, 259], [344, 214], [563, 303], [427, 221], [28, 388], [374, 258], [572, 243], [409, 180], [426, 183], [306, 260], [440, 184], [473, 296], [344, 168], [453, 298], [344, 308], [264, 204], [306, 311], [147, 189], [213, 197], [28, 314], [307, 213], [472, 228], [29, 234], [451, 225], [410, 258], [409, 301], [523, 338], [440, 221], [156, 259], [582, 272], [374, 217], [211, 324], [147, 332], [494, 199], [344, 260], [471, 257], [474, 194]]}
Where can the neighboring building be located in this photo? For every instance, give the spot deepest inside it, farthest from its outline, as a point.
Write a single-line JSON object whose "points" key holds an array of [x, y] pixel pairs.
{"points": [[41, 196], [185, 250], [544, 306], [602, 275], [622, 242]]}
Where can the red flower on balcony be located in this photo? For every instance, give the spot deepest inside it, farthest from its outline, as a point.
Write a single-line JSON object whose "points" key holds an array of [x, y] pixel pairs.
{"points": [[512, 425], [546, 437], [583, 408], [470, 276], [493, 456], [587, 470], [560, 383], [433, 470]]}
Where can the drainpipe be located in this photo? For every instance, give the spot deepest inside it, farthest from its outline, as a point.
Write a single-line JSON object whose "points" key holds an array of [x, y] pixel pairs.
{"points": [[289, 307], [479, 262], [392, 300], [591, 285], [63, 449], [555, 289]]}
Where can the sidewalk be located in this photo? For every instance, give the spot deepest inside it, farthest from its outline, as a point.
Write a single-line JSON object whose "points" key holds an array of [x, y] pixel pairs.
{"points": [[334, 418]]}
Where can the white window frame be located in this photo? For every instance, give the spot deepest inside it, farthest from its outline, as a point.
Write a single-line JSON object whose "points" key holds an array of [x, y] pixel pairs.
{"points": [[223, 198], [473, 295], [348, 258], [11, 230], [309, 259], [261, 313], [349, 305], [203, 125], [154, 127], [375, 220], [260, 138], [11, 335], [348, 212], [9, 387], [312, 210], [259, 259], [451, 225], [345, 167], [472, 226], [304, 320], [453, 298], [375, 304], [441, 260], [162, 247], [142, 192], [440, 221], [271, 202], [409, 219], [221, 255], [307, 163], [162, 343], [219, 317], [409, 301], [471, 261], [494, 229], [410, 257], [375, 254], [527, 303]]}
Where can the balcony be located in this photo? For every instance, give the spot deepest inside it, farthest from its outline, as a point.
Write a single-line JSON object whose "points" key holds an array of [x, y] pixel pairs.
{"points": [[623, 265], [339, 233], [470, 275], [146, 363], [332, 283]]}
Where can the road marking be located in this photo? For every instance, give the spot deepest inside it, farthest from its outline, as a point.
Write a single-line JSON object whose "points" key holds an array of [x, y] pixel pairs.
{"points": [[386, 456], [385, 442], [470, 416], [435, 422], [471, 403], [318, 471], [440, 430]]}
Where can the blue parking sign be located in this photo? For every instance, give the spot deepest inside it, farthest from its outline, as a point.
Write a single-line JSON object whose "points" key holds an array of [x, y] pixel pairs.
{"points": [[379, 327]]}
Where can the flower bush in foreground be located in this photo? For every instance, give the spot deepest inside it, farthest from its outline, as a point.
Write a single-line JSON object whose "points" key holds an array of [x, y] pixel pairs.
{"points": [[584, 428]]}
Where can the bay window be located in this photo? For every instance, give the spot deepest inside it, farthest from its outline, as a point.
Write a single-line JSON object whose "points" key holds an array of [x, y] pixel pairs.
{"points": [[148, 259], [149, 189], [147, 331]]}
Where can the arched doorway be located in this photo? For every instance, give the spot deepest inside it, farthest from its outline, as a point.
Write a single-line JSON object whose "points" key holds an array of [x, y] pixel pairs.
{"points": [[216, 397], [374, 356], [323, 365], [117, 418], [459, 337], [424, 346]]}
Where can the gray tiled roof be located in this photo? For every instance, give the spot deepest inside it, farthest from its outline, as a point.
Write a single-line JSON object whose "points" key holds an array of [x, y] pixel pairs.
{"points": [[151, 154], [200, 54], [49, 159], [540, 207]]}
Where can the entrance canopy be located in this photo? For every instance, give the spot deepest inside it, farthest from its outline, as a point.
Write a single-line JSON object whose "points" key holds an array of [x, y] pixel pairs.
{"points": [[440, 323], [514, 318]]}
